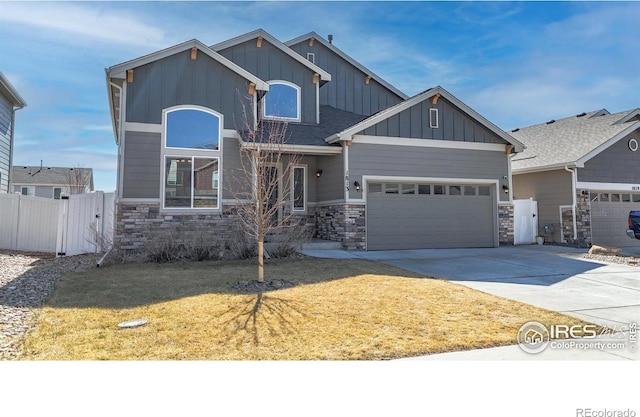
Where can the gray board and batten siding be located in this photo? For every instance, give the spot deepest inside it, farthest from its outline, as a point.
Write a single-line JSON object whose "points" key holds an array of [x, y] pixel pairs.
{"points": [[616, 164], [423, 162], [269, 63], [347, 90], [6, 117], [179, 80], [453, 125]]}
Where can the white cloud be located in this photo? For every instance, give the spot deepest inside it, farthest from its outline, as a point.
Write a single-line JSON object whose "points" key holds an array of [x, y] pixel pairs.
{"points": [[82, 23]]}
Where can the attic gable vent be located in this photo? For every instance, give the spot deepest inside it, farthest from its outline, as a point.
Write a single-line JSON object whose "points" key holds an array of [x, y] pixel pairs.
{"points": [[581, 114], [551, 121]]}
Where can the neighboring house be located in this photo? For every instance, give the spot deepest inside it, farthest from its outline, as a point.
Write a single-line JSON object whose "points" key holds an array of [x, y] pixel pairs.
{"points": [[379, 170], [51, 182], [10, 101], [584, 172]]}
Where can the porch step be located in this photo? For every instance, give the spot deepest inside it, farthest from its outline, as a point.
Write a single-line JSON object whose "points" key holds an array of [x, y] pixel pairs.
{"points": [[320, 244]]}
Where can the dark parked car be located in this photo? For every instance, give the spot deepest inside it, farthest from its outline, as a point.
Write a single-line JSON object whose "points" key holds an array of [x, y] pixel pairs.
{"points": [[634, 225]]}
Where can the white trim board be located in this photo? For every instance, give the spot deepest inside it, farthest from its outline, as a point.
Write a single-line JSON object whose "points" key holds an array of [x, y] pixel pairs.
{"points": [[608, 186], [429, 143]]}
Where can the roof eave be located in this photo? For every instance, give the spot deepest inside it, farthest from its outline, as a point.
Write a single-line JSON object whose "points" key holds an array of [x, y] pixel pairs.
{"points": [[119, 71], [10, 91], [551, 167]]}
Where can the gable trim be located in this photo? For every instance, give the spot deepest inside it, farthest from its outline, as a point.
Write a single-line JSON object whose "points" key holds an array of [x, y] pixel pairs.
{"points": [[341, 54], [120, 70], [606, 145], [260, 33], [633, 113], [348, 133], [429, 143]]}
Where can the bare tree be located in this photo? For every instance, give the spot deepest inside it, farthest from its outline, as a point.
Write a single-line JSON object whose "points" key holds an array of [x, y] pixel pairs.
{"points": [[262, 184], [78, 180]]}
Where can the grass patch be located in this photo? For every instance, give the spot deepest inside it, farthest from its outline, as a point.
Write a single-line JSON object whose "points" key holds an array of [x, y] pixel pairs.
{"points": [[340, 309]]}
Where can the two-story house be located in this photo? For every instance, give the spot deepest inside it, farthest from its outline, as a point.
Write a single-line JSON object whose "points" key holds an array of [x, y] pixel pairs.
{"points": [[10, 101], [379, 170]]}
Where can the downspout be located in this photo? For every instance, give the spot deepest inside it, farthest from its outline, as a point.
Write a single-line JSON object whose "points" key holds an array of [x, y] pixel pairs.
{"points": [[12, 143], [575, 202]]}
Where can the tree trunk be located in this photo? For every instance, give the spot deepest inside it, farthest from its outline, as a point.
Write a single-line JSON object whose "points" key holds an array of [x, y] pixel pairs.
{"points": [[260, 259]]}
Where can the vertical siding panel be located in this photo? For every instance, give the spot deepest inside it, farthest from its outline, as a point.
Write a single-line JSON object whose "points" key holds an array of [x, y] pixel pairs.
{"points": [[416, 122], [405, 124], [394, 126]]}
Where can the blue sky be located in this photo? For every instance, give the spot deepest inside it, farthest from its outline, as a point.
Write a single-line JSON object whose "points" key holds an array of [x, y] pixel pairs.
{"points": [[517, 64]]}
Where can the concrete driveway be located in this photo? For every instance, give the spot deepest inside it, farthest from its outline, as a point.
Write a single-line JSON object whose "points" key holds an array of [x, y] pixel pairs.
{"points": [[551, 277]]}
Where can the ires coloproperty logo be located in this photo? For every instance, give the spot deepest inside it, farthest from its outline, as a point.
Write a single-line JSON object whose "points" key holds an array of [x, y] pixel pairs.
{"points": [[535, 337]]}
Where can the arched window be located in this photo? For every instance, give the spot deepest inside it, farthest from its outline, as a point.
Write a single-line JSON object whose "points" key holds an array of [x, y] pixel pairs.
{"points": [[191, 158], [192, 129], [282, 101]]}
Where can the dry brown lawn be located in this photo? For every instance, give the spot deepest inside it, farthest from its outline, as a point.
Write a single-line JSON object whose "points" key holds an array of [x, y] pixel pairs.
{"points": [[340, 309]]}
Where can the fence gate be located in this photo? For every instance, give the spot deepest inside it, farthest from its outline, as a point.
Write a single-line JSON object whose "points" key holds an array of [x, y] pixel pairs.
{"points": [[73, 225], [525, 221]]}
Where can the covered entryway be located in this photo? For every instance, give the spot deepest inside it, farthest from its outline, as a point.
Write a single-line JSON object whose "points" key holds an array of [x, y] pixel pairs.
{"points": [[609, 218], [402, 215]]}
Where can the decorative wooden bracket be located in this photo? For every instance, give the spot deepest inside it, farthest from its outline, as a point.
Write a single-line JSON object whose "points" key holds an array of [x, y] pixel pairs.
{"points": [[311, 41], [434, 99], [367, 80], [348, 143], [130, 76], [194, 53], [509, 149], [316, 78], [259, 42], [252, 88]]}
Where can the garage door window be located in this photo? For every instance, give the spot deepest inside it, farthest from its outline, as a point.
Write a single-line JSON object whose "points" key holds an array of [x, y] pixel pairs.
{"points": [[428, 189], [408, 188], [375, 188], [424, 189]]}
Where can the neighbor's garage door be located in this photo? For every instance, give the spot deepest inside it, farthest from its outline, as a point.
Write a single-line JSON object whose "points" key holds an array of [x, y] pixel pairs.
{"points": [[415, 216], [609, 218]]}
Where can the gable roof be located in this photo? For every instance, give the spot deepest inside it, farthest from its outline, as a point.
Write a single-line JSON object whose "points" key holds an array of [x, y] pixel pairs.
{"points": [[7, 90], [347, 58], [49, 176], [346, 134], [120, 70], [324, 75], [571, 141]]}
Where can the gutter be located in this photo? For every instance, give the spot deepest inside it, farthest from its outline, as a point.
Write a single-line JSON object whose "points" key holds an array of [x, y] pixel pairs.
{"points": [[575, 201]]}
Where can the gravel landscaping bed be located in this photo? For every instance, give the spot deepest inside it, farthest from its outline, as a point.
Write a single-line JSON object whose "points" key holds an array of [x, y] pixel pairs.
{"points": [[26, 279], [614, 259]]}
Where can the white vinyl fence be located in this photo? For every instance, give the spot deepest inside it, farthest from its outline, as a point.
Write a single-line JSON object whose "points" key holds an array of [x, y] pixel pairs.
{"points": [[78, 224]]}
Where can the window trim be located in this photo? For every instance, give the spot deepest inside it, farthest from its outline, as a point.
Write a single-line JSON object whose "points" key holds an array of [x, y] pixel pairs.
{"points": [[298, 102], [165, 112], [311, 57], [192, 182], [305, 188], [433, 118], [170, 152]]}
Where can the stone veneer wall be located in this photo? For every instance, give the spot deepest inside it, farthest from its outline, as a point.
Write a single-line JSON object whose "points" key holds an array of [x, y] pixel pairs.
{"points": [[583, 217], [138, 224], [343, 223], [505, 224]]}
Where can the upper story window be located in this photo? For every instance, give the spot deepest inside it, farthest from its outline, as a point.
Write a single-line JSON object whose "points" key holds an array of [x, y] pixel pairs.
{"points": [[192, 129], [282, 101]]}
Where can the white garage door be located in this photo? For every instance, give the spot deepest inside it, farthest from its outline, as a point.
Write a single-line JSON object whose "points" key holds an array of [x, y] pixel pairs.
{"points": [[609, 218], [415, 216]]}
